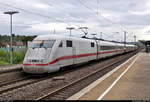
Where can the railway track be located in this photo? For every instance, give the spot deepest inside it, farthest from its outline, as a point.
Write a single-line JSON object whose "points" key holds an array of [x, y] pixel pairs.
{"points": [[62, 92], [18, 83], [10, 77], [25, 81], [75, 86], [13, 81]]}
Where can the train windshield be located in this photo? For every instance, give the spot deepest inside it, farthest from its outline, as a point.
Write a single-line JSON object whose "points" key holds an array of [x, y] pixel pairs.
{"points": [[42, 44]]}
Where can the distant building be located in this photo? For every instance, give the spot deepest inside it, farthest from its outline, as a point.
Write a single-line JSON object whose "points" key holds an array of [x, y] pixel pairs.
{"points": [[147, 44], [18, 44], [6, 44]]}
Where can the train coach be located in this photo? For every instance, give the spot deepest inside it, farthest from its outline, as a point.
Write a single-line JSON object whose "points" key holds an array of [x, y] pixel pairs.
{"points": [[49, 53]]}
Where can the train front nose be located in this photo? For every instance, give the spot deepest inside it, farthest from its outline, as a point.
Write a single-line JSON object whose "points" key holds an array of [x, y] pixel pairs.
{"points": [[37, 56], [35, 60]]}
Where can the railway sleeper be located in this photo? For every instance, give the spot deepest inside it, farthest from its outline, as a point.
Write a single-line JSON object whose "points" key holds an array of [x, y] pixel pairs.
{"points": [[58, 96], [64, 95], [65, 92]]}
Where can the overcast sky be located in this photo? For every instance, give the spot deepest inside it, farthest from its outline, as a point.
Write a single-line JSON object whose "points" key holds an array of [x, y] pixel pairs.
{"points": [[39, 17]]}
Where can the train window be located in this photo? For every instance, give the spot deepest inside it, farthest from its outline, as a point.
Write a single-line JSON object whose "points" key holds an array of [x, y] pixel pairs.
{"points": [[48, 43], [103, 48], [61, 44], [107, 47], [42, 44], [69, 43], [117, 47], [92, 44]]}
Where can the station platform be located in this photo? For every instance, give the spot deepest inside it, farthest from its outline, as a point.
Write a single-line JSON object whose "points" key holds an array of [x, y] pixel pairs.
{"points": [[129, 81], [10, 67]]}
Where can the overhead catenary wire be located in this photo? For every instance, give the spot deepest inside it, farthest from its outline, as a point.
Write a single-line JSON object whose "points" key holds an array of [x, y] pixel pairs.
{"points": [[97, 7], [49, 17], [38, 14], [81, 2], [90, 9], [109, 36], [121, 26], [33, 13], [66, 13]]}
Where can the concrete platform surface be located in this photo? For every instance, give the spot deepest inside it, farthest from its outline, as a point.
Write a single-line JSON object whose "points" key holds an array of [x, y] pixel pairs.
{"points": [[130, 81], [10, 67]]}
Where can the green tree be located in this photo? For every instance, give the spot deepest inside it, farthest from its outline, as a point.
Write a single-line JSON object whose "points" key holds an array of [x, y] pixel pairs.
{"points": [[28, 38]]}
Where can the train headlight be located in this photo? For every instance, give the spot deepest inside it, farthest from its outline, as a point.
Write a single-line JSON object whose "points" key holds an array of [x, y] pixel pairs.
{"points": [[35, 60], [42, 60]]}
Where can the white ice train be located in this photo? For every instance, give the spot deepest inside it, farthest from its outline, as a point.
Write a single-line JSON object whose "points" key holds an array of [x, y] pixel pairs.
{"points": [[48, 53]]}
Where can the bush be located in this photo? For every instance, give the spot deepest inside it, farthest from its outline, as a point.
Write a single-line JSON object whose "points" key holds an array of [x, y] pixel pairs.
{"points": [[4, 56], [17, 57], [3, 63]]}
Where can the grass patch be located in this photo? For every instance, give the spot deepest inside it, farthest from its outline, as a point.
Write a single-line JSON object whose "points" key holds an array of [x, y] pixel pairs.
{"points": [[2, 63], [18, 57]]}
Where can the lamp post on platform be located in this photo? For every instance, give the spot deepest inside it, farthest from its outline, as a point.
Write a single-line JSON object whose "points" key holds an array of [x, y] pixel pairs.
{"points": [[11, 13], [70, 28], [125, 38]]}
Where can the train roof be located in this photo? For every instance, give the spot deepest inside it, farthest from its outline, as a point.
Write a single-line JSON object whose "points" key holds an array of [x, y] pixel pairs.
{"points": [[63, 37], [59, 37]]}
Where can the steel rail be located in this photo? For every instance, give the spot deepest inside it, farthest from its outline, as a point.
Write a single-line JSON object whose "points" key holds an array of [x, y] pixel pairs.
{"points": [[62, 89]]}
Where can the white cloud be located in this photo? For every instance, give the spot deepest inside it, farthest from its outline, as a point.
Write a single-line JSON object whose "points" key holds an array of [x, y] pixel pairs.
{"points": [[42, 16], [41, 6], [48, 26], [145, 29], [140, 12]]}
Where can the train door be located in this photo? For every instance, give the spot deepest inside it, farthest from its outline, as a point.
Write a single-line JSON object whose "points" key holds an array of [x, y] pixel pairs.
{"points": [[96, 49], [69, 51], [74, 54], [60, 52], [65, 51]]}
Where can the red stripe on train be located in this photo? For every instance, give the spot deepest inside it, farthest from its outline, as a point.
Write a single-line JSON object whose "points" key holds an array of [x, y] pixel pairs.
{"points": [[70, 57]]}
